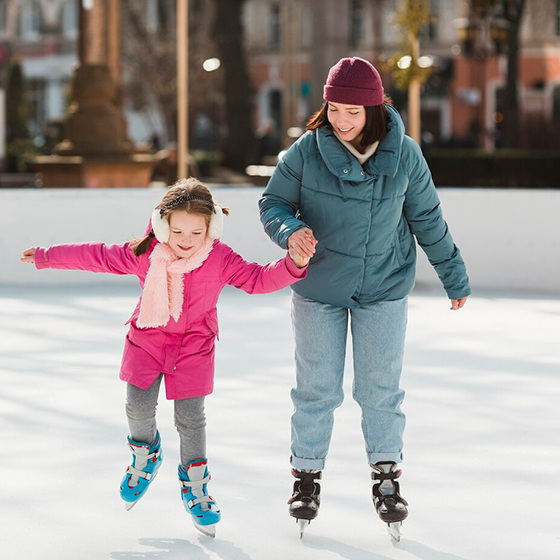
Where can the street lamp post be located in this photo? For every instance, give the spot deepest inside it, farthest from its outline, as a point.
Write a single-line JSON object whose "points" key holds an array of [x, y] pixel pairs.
{"points": [[182, 87], [414, 92], [483, 35]]}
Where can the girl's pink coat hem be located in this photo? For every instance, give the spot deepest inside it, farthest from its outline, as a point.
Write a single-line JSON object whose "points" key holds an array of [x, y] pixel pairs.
{"points": [[182, 350]]}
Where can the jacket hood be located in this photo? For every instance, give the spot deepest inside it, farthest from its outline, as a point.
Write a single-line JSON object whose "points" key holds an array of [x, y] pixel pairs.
{"points": [[385, 161]]}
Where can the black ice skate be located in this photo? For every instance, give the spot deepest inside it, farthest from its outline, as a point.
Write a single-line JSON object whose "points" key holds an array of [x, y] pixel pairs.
{"points": [[389, 504], [305, 501]]}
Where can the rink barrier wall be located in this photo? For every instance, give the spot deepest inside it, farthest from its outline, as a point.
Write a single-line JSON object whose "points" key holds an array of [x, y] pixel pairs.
{"points": [[510, 239]]}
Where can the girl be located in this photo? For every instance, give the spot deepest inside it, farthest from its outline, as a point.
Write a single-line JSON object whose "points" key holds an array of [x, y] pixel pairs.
{"points": [[361, 187], [182, 267]]}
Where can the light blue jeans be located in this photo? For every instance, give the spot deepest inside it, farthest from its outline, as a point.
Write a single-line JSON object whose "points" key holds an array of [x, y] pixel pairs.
{"points": [[378, 333]]}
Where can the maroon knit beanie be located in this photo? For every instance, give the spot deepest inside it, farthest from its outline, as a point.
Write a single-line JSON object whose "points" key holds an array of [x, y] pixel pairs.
{"points": [[354, 81]]}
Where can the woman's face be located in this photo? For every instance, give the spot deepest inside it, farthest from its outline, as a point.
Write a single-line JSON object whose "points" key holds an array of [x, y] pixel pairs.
{"points": [[347, 120], [187, 232]]}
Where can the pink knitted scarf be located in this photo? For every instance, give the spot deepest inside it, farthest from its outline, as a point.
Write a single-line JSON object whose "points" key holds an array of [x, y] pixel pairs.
{"points": [[162, 296]]}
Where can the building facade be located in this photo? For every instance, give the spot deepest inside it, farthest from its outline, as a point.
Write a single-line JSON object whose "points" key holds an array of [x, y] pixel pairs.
{"points": [[42, 35], [291, 44], [463, 95]]}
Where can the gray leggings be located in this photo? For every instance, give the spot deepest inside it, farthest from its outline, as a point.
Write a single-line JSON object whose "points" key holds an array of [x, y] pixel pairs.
{"points": [[190, 420]]}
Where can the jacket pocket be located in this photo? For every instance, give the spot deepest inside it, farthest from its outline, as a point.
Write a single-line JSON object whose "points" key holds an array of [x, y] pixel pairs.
{"points": [[403, 249], [212, 324]]}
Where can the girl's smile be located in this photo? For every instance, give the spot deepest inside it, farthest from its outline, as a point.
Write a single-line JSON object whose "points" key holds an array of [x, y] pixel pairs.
{"points": [[187, 232]]}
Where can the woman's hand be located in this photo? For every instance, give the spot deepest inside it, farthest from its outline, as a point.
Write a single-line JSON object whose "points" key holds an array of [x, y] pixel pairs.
{"points": [[299, 261], [28, 255], [303, 243], [458, 303]]}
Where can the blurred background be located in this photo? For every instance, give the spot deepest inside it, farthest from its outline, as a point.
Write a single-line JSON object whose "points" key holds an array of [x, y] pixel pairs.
{"points": [[477, 83], [102, 99]]}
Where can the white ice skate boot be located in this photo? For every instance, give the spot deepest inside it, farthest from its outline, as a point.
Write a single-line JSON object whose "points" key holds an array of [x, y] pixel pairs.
{"points": [[193, 478]]}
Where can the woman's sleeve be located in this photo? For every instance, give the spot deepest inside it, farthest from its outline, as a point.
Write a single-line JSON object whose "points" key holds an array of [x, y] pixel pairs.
{"points": [[95, 257], [255, 278], [423, 213], [279, 204]]}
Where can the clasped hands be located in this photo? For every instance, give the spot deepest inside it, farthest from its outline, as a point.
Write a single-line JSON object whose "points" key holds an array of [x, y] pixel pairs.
{"points": [[301, 246]]}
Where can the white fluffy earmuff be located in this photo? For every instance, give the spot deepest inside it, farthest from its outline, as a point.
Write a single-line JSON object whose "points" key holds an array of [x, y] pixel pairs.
{"points": [[160, 226], [216, 223]]}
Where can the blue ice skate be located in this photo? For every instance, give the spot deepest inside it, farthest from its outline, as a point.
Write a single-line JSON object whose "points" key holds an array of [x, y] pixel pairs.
{"points": [[146, 460], [193, 478]]}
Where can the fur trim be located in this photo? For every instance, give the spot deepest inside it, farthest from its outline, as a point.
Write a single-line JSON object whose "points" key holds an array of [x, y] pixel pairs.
{"points": [[162, 296]]}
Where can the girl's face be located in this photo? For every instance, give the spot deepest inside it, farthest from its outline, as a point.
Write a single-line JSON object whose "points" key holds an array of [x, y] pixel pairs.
{"points": [[187, 232], [347, 120]]}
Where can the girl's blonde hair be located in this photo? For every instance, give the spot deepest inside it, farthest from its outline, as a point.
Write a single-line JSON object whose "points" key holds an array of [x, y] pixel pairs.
{"points": [[189, 195]]}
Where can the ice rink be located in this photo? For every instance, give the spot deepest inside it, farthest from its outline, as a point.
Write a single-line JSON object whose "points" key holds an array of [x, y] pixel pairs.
{"points": [[482, 446]]}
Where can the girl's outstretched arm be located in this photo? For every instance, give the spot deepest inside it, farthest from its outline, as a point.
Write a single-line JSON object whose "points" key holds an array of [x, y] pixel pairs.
{"points": [[95, 257], [254, 278]]}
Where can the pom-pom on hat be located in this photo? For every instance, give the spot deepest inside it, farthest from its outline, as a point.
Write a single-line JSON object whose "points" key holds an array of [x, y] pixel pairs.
{"points": [[354, 81]]}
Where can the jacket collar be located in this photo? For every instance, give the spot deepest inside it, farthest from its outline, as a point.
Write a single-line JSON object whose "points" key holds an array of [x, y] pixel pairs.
{"points": [[385, 160]]}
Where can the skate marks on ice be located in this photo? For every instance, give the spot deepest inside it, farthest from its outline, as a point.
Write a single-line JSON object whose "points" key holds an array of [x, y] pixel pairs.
{"points": [[424, 552], [171, 549], [340, 548], [344, 550]]}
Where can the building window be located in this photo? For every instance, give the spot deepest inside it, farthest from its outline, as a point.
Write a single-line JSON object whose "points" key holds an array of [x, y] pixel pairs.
{"points": [[2, 18], [29, 20], [274, 26], [70, 19], [356, 23], [152, 15], [37, 100], [432, 27]]}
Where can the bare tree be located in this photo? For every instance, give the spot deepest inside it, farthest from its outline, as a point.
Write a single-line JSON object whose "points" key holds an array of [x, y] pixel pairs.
{"points": [[513, 11], [150, 60], [228, 34]]}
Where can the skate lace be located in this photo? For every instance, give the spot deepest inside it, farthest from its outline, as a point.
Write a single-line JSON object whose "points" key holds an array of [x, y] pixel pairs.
{"points": [[305, 488], [394, 496]]}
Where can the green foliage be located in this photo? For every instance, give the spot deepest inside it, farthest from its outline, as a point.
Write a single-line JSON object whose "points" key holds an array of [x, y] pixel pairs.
{"points": [[20, 152], [16, 104], [206, 161], [410, 20], [412, 17], [504, 168], [402, 77]]}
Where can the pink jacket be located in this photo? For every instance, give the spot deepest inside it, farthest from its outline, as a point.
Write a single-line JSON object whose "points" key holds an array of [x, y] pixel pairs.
{"points": [[182, 350]]}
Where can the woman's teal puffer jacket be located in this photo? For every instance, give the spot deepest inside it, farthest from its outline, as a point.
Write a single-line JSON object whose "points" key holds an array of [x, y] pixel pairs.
{"points": [[363, 217]]}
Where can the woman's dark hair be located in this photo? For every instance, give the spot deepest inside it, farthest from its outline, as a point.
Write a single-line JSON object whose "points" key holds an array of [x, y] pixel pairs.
{"points": [[375, 128]]}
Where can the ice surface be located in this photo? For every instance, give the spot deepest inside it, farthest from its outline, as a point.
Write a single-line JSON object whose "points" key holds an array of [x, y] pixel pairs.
{"points": [[482, 455]]}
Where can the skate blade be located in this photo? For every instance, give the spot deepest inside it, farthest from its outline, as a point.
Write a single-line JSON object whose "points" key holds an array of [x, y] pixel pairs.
{"points": [[208, 530], [129, 505], [302, 524], [395, 530]]}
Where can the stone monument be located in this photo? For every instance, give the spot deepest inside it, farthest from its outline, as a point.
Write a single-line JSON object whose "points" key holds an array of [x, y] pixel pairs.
{"points": [[96, 151]]}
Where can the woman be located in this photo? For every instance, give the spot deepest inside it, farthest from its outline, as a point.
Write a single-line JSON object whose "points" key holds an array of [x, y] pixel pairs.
{"points": [[351, 193]]}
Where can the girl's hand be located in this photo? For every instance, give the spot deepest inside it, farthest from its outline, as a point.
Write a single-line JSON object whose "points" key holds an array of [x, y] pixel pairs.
{"points": [[303, 242], [299, 261], [458, 303], [28, 255]]}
